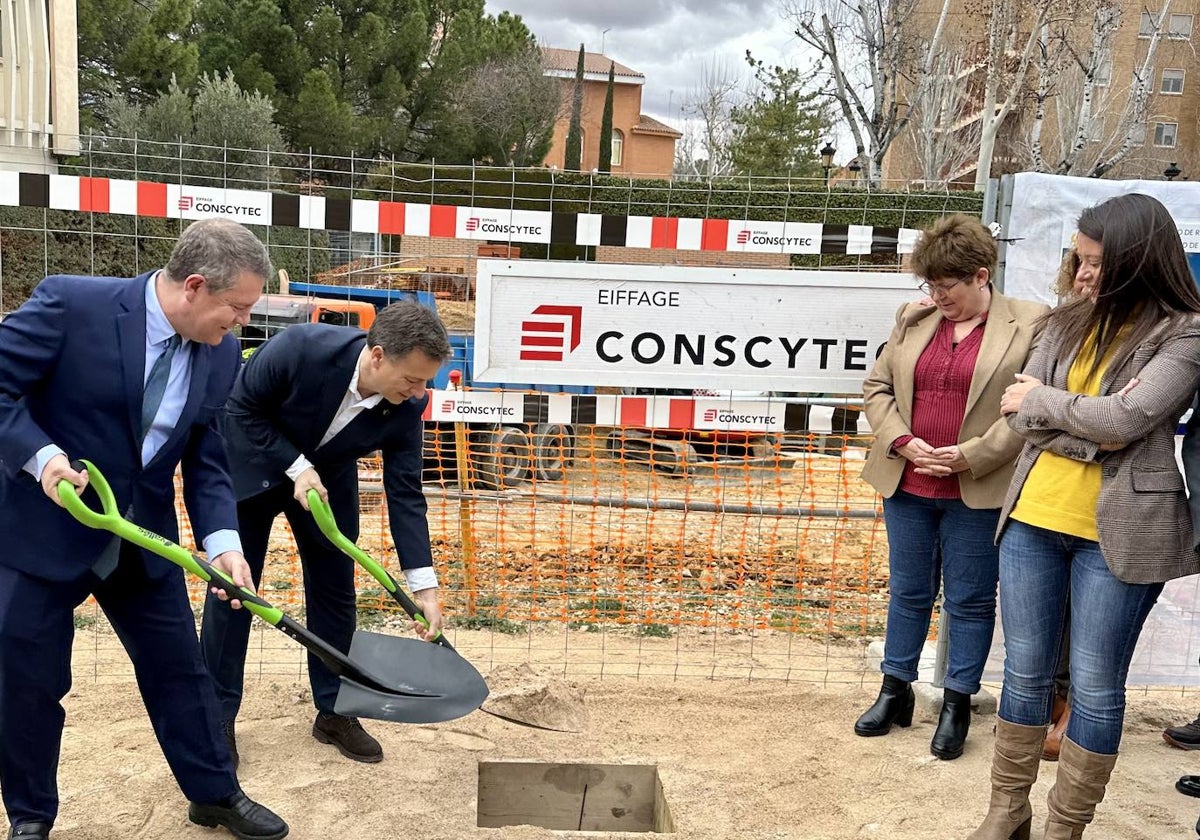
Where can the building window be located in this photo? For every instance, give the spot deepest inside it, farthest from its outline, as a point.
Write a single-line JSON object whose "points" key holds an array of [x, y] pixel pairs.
{"points": [[1172, 82], [1137, 134], [1179, 26], [618, 147], [1103, 75], [1164, 134], [1094, 129], [1146, 29]]}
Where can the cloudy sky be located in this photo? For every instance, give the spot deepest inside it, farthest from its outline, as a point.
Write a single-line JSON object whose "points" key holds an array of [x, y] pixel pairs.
{"points": [[667, 40]]}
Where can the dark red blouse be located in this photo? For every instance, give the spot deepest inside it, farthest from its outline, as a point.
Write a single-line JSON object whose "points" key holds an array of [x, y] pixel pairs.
{"points": [[941, 382]]}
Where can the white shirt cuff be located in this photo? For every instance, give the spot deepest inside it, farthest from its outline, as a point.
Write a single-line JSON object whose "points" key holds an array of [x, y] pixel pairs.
{"points": [[298, 466], [218, 542], [422, 578], [35, 465]]}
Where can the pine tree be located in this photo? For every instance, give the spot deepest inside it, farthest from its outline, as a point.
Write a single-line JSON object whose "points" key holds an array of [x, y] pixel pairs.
{"points": [[575, 129], [606, 123]]}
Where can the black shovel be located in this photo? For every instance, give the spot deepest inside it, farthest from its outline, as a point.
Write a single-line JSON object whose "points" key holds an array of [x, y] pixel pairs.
{"points": [[384, 677]]}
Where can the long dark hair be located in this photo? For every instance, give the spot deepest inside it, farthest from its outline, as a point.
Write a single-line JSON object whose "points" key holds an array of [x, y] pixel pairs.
{"points": [[1144, 279]]}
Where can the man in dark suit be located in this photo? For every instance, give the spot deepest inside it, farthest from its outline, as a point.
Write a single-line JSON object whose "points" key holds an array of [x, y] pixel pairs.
{"points": [[133, 375], [306, 406]]}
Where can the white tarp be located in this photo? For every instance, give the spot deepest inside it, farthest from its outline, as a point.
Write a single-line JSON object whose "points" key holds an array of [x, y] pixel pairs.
{"points": [[683, 327], [1046, 208]]}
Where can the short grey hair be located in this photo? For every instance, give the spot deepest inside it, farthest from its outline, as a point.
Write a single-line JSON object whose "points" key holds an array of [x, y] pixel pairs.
{"points": [[219, 249], [406, 326]]}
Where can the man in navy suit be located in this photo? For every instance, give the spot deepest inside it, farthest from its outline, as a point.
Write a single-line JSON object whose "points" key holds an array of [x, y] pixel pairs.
{"points": [[133, 375], [306, 406]]}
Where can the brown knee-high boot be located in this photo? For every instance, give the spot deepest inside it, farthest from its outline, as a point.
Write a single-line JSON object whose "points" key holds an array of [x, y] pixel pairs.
{"points": [[1014, 770], [1082, 777]]}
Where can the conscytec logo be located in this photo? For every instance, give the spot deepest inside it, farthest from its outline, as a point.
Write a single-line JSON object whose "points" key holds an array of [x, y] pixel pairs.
{"points": [[545, 339], [476, 224], [743, 237], [473, 223], [713, 415], [201, 204]]}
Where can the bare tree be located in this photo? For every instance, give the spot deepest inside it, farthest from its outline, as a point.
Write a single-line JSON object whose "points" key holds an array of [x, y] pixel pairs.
{"points": [[1099, 120], [704, 148], [1009, 52], [869, 49], [505, 112], [943, 130]]}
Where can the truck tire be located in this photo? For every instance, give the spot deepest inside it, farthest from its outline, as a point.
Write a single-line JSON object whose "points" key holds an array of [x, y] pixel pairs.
{"points": [[553, 450], [502, 458]]}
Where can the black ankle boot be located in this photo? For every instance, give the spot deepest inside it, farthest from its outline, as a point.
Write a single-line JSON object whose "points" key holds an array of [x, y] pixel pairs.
{"points": [[893, 705], [953, 723]]}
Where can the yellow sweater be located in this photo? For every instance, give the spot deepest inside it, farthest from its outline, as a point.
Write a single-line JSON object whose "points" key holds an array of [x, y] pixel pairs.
{"points": [[1060, 494]]}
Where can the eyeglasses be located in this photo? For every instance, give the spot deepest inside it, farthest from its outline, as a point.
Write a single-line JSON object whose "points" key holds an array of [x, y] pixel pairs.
{"points": [[934, 289]]}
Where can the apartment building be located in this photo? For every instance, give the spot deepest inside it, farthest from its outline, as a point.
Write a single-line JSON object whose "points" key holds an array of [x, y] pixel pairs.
{"points": [[1108, 136], [39, 91]]}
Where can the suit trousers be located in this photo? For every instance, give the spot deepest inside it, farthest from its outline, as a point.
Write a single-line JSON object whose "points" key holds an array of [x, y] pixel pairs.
{"points": [[154, 621], [329, 597]]}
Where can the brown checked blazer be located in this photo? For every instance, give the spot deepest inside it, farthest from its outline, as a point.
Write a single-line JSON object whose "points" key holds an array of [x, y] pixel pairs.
{"points": [[1142, 514], [986, 441]]}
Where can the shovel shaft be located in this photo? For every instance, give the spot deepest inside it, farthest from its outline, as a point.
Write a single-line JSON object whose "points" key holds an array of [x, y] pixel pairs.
{"points": [[110, 519], [325, 522]]}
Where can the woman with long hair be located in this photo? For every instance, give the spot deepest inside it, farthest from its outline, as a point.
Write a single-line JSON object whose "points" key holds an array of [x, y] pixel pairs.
{"points": [[1096, 508]]}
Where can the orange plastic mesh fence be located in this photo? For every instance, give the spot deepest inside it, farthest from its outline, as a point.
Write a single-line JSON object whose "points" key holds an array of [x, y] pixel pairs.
{"points": [[614, 526]]}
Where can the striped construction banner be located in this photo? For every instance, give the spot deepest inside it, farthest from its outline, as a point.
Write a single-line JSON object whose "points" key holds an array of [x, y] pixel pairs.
{"points": [[252, 207], [652, 412]]}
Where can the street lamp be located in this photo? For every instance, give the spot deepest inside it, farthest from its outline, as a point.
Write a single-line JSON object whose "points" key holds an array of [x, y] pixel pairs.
{"points": [[827, 154], [855, 167], [1172, 172]]}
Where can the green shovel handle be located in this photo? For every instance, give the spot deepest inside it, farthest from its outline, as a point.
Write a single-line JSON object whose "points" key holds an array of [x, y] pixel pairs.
{"points": [[325, 522], [109, 519]]}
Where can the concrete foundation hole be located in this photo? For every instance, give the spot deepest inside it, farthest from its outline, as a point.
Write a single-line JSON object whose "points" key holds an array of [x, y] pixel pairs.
{"points": [[572, 797]]}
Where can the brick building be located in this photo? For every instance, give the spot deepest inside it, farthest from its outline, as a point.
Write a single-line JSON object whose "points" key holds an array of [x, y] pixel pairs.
{"points": [[641, 144], [1167, 135]]}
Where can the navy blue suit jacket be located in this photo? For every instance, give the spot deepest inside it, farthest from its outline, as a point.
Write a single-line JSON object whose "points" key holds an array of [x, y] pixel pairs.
{"points": [[72, 364], [282, 404]]}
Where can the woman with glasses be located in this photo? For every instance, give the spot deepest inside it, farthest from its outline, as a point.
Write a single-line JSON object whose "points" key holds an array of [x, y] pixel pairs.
{"points": [[1096, 508], [942, 459]]}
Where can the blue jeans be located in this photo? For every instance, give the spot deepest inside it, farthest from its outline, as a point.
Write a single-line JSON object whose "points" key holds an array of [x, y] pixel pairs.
{"points": [[1037, 568], [920, 531]]}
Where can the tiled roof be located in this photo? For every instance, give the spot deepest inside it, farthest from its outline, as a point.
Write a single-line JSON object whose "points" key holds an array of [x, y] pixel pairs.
{"points": [[556, 59], [649, 125]]}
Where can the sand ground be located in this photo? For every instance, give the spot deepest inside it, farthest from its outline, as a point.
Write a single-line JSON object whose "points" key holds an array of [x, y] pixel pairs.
{"points": [[741, 758]]}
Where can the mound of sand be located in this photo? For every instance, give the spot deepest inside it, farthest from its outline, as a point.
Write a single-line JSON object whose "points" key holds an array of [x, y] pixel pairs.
{"points": [[522, 695]]}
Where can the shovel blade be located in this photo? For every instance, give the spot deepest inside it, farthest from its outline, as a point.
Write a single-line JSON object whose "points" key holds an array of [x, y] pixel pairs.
{"points": [[433, 683]]}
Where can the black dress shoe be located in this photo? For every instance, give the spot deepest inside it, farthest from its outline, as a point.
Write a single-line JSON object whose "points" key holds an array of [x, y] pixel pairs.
{"points": [[30, 831], [1185, 737], [893, 705], [347, 734], [227, 729], [953, 723], [1189, 785], [245, 819]]}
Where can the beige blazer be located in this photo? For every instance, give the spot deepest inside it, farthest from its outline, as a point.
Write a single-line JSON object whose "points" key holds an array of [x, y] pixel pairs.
{"points": [[985, 439], [1142, 513]]}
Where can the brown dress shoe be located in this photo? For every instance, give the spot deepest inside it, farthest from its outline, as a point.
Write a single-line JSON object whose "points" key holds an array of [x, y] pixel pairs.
{"points": [[1053, 743], [347, 734]]}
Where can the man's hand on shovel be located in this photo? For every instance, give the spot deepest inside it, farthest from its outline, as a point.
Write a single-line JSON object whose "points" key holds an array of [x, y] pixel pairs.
{"points": [[427, 600], [233, 565]]}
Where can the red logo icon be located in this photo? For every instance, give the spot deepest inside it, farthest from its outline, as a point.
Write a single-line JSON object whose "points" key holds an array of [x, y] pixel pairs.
{"points": [[545, 340], [472, 223], [710, 415], [185, 202], [743, 237], [447, 406]]}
